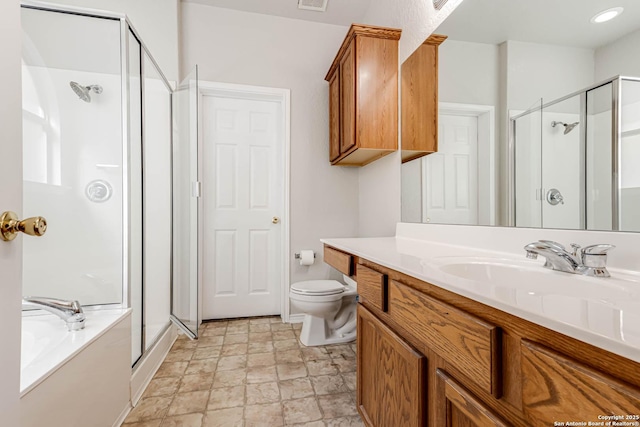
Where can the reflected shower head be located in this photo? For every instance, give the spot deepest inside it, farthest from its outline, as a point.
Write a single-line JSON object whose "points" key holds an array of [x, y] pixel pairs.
{"points": [[83, 91], [567, 127]]}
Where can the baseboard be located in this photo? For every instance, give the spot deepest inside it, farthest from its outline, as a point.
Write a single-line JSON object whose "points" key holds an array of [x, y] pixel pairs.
{"points": [[147, 367], [123, 416], [296, 318]]}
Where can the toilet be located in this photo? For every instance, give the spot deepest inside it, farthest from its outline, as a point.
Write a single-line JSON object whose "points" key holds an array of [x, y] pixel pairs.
{"points": [[329, 308]]}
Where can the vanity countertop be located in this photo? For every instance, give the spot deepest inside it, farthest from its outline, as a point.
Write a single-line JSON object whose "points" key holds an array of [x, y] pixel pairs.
{"points": [[604, 312]]}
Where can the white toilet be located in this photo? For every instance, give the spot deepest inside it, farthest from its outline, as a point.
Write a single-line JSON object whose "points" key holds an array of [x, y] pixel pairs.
{"points": [[329, 308]]}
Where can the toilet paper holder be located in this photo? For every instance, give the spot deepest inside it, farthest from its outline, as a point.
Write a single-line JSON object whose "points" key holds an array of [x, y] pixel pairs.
{"points": [[297, 255]]}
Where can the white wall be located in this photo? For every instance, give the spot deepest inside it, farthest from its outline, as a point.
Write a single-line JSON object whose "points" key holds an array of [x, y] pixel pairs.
{"points": [[468, 73], [545, 71], [155, 20], [11, 196], [244, 48], [80, 257], [380, 181], [618, 58]]}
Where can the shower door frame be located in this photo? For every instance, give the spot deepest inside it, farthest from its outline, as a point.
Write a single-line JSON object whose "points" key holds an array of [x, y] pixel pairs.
{"points": [[127, 27], [616, 155]]}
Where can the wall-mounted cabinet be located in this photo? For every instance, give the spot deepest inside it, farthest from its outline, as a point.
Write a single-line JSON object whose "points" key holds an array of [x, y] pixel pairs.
{"points": [[420, 100], [363, 96]]}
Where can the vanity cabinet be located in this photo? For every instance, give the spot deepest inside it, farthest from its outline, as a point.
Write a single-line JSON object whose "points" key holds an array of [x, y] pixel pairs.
{"points": [[363, 96], [430, 357], [391, 389], [419, 85]]}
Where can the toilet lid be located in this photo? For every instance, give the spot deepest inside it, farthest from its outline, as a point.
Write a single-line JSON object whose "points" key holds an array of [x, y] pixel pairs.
{"points": [[318, 287]]}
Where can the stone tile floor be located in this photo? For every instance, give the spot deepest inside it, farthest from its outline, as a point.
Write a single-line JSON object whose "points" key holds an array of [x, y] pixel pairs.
{"points": [[251, 372]]}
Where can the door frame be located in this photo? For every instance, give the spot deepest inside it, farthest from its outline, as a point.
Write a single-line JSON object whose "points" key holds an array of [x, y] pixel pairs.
{"points": [[486, 141], [263, 93]]}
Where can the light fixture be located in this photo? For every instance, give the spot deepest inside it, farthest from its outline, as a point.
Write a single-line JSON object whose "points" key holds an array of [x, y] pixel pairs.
{"points": [[606, 15]]}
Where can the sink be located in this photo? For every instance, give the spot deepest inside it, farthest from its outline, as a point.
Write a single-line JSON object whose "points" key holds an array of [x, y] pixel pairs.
{"points": [[530, 278]]}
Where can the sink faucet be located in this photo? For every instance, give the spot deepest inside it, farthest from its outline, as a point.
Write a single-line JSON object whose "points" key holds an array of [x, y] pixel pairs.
{"points": [[69, 311], [588, 261]]}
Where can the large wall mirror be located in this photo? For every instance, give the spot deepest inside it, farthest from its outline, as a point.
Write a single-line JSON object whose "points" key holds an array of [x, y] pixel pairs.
{"points": [[539, 118]]}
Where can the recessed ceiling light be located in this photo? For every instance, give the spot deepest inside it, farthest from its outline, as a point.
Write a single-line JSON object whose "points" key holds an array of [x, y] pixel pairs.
{"points": [[606, 15]]}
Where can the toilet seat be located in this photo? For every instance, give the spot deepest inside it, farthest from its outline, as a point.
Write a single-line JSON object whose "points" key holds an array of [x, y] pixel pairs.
{"points": [[318, 288]]}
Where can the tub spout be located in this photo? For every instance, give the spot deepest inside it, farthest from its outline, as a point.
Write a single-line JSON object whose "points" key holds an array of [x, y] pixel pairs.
{"points": [[69, 311]]}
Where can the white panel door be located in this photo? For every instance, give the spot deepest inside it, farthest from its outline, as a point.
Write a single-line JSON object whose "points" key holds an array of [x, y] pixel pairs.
{"points": [[243, 202], [10, 199], [450, 176]]}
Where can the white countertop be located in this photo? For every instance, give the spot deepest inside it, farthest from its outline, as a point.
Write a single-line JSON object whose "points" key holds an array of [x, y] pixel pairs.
{"points": [[604, 312]]}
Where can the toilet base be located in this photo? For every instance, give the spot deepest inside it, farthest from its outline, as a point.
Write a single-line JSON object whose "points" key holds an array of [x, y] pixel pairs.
{"points": [[315, 332]]}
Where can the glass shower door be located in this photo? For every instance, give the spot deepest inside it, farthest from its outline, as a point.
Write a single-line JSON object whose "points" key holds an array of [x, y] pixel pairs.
{"points": [[526, 138], [186, 192]]}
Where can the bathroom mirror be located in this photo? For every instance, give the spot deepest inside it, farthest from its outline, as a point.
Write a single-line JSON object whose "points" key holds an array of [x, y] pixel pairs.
{"points": [[536, 128]]}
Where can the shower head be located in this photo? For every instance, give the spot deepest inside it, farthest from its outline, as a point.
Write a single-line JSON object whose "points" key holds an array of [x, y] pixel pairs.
{"points": [[567, 127], [84, 91]]}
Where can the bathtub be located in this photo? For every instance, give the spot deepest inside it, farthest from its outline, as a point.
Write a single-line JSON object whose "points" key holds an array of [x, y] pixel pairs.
{"points": [[78, 378]]}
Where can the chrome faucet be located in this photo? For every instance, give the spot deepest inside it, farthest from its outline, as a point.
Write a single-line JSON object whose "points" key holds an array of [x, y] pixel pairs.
{"points": [[588, 261], [69, 311]]}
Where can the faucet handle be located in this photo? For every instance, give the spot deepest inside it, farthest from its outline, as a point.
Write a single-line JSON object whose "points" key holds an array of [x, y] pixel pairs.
{"points": [[594, 260], [600, 249], [576, 249]]}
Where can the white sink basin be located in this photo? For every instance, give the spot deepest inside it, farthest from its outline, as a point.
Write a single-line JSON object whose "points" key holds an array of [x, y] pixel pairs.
{"points": [[530, 278], [494, 271]]}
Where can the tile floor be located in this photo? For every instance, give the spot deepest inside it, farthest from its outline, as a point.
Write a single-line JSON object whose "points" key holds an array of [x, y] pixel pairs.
{"points": [[251, 372]]}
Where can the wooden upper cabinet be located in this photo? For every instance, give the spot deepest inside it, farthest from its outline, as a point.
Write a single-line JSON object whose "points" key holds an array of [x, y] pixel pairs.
{"points": [[420, 100], [363, 95], [334, 117]]}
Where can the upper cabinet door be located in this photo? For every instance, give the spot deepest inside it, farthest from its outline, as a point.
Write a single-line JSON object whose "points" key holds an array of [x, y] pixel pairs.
{"points": [[348, 99], [363, 89], [334, 117]]}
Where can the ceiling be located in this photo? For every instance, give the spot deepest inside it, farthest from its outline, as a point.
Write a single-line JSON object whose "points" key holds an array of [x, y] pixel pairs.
{"points": [[559, 22], [339, 12]]}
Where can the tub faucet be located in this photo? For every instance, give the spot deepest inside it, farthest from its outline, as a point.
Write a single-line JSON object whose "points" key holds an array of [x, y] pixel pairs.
{"points": [[69, 311], [588, 261]]}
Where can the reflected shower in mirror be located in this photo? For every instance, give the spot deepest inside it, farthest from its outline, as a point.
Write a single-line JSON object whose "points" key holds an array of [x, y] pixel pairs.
{"points": [[563, 161]]}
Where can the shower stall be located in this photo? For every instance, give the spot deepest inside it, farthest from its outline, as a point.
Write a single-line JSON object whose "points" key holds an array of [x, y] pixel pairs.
{"points": [[109, 145], [574, 160]]}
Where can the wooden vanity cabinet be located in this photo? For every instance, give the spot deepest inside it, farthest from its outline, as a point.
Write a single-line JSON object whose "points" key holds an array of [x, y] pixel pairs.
{"points": [[391, 387], [363, 96], [430, 357], [419, 85]]}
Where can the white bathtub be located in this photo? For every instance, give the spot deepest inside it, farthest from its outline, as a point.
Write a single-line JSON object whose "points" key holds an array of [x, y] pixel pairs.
{"points": [[86, 372]]}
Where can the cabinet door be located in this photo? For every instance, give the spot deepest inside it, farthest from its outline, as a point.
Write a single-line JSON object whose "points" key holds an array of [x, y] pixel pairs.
{"points": [[556, 388], [459, 408], [391, 386], [334, 116], [348, 100]]}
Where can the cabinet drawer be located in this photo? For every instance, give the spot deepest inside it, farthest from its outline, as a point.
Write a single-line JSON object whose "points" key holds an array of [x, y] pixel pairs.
{"points": [[372, 287], [339, 260], [556, 388], [466, 342]]}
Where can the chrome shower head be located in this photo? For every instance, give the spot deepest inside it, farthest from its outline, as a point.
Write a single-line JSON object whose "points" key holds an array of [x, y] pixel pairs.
{"points": [[83, 91], [567, 127]]}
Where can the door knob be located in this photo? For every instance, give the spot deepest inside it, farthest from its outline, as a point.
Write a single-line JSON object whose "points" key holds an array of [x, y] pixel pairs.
{"points": [[10, 226], [275, 220]]}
